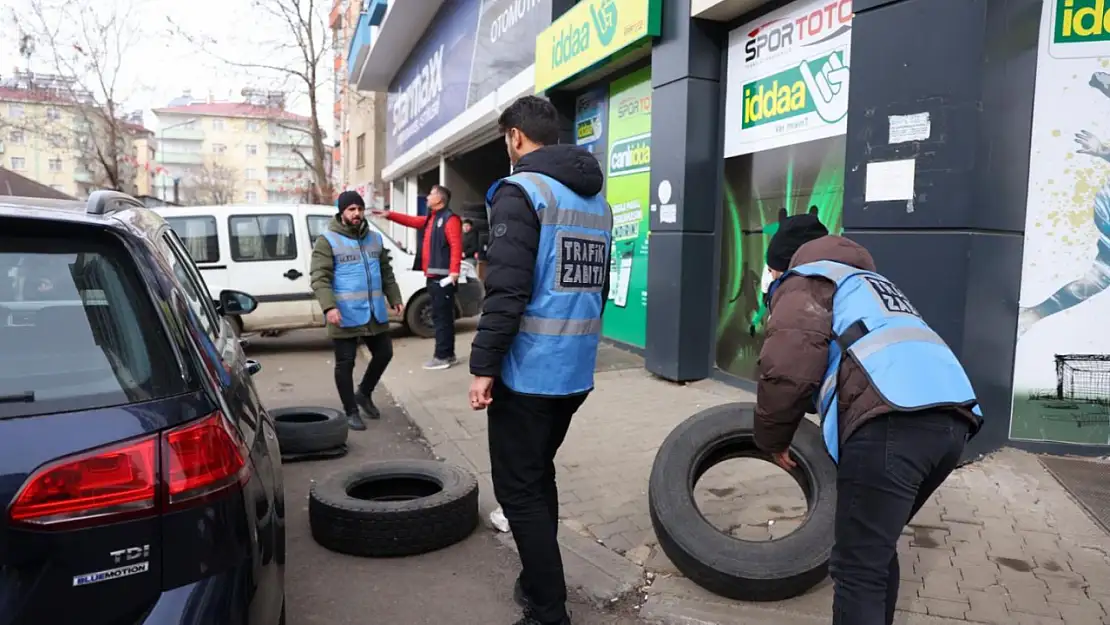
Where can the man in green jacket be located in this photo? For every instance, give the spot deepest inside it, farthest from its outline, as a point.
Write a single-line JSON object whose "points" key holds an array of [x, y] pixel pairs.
{"points": [[352, 278]]}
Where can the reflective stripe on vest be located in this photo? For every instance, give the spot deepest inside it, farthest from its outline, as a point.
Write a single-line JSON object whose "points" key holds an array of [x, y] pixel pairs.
{"points": [[555, 351], [357, 282], [907, 363]]}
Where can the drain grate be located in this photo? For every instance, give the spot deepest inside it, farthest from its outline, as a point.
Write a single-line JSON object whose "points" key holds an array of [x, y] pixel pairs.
{"points": [[1087, 482]]}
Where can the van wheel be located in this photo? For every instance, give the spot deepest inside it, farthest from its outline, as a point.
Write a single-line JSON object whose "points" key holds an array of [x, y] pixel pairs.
{"points": [[418, 316]]}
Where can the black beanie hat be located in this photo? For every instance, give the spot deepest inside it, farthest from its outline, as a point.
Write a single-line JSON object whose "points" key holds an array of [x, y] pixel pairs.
{"points": [[793, 233], [347, 198]]}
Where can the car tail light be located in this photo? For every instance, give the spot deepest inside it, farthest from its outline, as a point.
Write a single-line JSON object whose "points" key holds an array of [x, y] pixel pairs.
{"points": [[116, 482], [202, 459], [199, 460]]}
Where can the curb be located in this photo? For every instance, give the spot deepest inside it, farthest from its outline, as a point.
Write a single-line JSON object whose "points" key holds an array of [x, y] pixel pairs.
{"points": [[595, 572]]}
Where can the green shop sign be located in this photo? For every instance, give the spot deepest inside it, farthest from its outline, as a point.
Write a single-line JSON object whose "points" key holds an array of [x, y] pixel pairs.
{"points": [[590, 32]]}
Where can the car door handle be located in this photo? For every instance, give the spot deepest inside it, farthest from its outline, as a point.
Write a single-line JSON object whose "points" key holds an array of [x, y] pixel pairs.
{"points": [[253, 367], [293, 274]]}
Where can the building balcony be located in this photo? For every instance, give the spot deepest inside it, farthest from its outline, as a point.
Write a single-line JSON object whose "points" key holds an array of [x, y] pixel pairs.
{"points": [[373, 14], [182, 133], [285, 161], [182, 158], [82, 176]]}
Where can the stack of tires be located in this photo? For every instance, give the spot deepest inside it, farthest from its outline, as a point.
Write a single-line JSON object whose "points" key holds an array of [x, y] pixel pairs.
{"points": [[739, 569], [394, 508], [310, 433]]}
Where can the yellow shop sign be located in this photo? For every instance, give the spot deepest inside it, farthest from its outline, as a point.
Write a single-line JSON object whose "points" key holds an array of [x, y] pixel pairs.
{"points": [[592, 31]]}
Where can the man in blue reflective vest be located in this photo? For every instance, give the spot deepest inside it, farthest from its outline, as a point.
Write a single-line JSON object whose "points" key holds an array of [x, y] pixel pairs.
{"points": [[897, 407], [352, 279], [534, 355]]}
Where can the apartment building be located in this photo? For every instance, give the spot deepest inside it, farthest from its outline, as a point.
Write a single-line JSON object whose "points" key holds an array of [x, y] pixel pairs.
{"points": [[51, 131], [224, 152], [359, 115]]}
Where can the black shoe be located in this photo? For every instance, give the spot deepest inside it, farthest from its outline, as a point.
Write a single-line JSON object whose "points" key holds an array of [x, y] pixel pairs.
{"points": [[367, 405], [354, 421], [520, 598]]}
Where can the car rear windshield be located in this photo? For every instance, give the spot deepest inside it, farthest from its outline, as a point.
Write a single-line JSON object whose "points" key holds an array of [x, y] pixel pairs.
{"points": [[77, 329]]}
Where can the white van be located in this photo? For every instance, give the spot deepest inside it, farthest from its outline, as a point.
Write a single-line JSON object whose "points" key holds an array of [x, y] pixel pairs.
{"points": [[265, 250]]}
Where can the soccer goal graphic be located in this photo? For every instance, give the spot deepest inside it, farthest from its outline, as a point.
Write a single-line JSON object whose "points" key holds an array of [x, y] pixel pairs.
{"points": [[1083, 378]]}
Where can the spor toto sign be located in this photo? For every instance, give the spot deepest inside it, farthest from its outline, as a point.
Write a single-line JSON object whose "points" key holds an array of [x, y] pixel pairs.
{"points": [[808, 28], [788, 77]]}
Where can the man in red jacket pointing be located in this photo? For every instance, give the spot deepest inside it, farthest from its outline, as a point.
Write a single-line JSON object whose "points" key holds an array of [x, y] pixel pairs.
{"points": [[439, 256]]}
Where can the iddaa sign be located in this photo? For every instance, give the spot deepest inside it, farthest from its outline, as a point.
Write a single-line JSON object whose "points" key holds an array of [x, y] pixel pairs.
{"points": [[592, 31]]}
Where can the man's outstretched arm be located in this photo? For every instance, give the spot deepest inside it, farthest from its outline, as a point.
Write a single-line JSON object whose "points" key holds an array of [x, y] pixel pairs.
{"points": [[409, 221]]}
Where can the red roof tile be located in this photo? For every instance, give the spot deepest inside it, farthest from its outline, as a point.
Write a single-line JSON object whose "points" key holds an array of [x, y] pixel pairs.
{"points": [[232, 109], [7, 94]]}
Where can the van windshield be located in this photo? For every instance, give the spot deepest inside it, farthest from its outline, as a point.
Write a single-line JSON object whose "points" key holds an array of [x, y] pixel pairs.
{"points": [[77, 329]]}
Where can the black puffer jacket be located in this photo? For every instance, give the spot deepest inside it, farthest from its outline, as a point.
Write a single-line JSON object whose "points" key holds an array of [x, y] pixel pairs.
{"points": [[513, 245]]}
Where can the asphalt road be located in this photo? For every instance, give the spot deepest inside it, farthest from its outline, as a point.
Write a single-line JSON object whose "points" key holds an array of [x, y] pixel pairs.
{"points": [[467, 584]]}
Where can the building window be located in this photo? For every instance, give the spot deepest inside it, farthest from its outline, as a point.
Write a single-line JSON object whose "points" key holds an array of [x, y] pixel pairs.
{"points": [[250, 174], [253, 127], [218, 148], [19, 163], [16, 137], [15, 110], [251, 196], [217, 124], [199, 236], [360, 151], [55, 164], [262, 237], [53, 114], [252, 149]]}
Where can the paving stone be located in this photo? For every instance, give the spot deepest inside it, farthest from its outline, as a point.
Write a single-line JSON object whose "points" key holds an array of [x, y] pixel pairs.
{"points": [[1000, 532], [947, 609]]}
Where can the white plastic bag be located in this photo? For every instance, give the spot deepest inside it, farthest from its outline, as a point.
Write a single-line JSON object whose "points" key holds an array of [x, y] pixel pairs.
{"points": [[497, 518]]}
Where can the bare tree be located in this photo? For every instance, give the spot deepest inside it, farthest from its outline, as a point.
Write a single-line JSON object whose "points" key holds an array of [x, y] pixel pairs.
{"points": [[298, 57], [85, 43], [214, 183]]}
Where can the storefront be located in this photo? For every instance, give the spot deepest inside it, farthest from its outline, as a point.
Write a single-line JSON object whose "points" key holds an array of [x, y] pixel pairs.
{"points": [[594, 64], [973, 203], [465, 62]]}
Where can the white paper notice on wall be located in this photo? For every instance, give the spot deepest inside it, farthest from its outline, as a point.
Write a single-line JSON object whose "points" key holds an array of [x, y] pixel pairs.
{"points": [[905, 128], [889, 181]]}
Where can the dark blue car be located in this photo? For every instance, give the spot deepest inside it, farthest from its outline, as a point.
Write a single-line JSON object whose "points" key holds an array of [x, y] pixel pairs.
{"points": [[140, 477]]}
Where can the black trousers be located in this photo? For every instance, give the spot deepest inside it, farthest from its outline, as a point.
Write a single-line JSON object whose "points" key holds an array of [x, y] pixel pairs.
{"points": [[525, 432], [888, 469], [443, 316], [346, 350]]}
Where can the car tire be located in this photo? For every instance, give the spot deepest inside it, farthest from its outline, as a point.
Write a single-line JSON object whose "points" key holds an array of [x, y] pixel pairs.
{"points": [[309, 429], [417, 320], [394, 508], [737, 569]]}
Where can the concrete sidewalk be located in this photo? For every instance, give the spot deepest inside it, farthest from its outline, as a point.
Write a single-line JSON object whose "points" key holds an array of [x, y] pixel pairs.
{"points": [[1001, 542]]}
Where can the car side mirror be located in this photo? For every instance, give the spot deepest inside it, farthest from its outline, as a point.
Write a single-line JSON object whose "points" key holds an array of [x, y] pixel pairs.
{"points": [[236, 303]]}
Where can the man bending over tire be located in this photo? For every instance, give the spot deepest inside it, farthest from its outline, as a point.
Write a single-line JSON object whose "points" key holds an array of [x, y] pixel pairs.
{"points": [[352, 279], [896, 411]]}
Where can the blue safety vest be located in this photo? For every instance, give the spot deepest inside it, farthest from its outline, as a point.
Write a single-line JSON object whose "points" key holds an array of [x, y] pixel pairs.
{"points": [[358, 279], [555, 351], [910, 366]]}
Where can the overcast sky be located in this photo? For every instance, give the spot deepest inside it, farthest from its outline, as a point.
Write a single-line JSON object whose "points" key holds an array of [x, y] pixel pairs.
{"points": [[160, 65]]}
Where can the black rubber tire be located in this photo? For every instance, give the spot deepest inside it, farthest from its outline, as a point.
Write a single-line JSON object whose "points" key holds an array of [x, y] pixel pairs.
{"points": [[384, 528], [748, 571], [309, 429], [414, 316]]}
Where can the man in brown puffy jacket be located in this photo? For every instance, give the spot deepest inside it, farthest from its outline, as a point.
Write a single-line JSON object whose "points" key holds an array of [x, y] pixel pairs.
{"points": [[890, 460]]}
